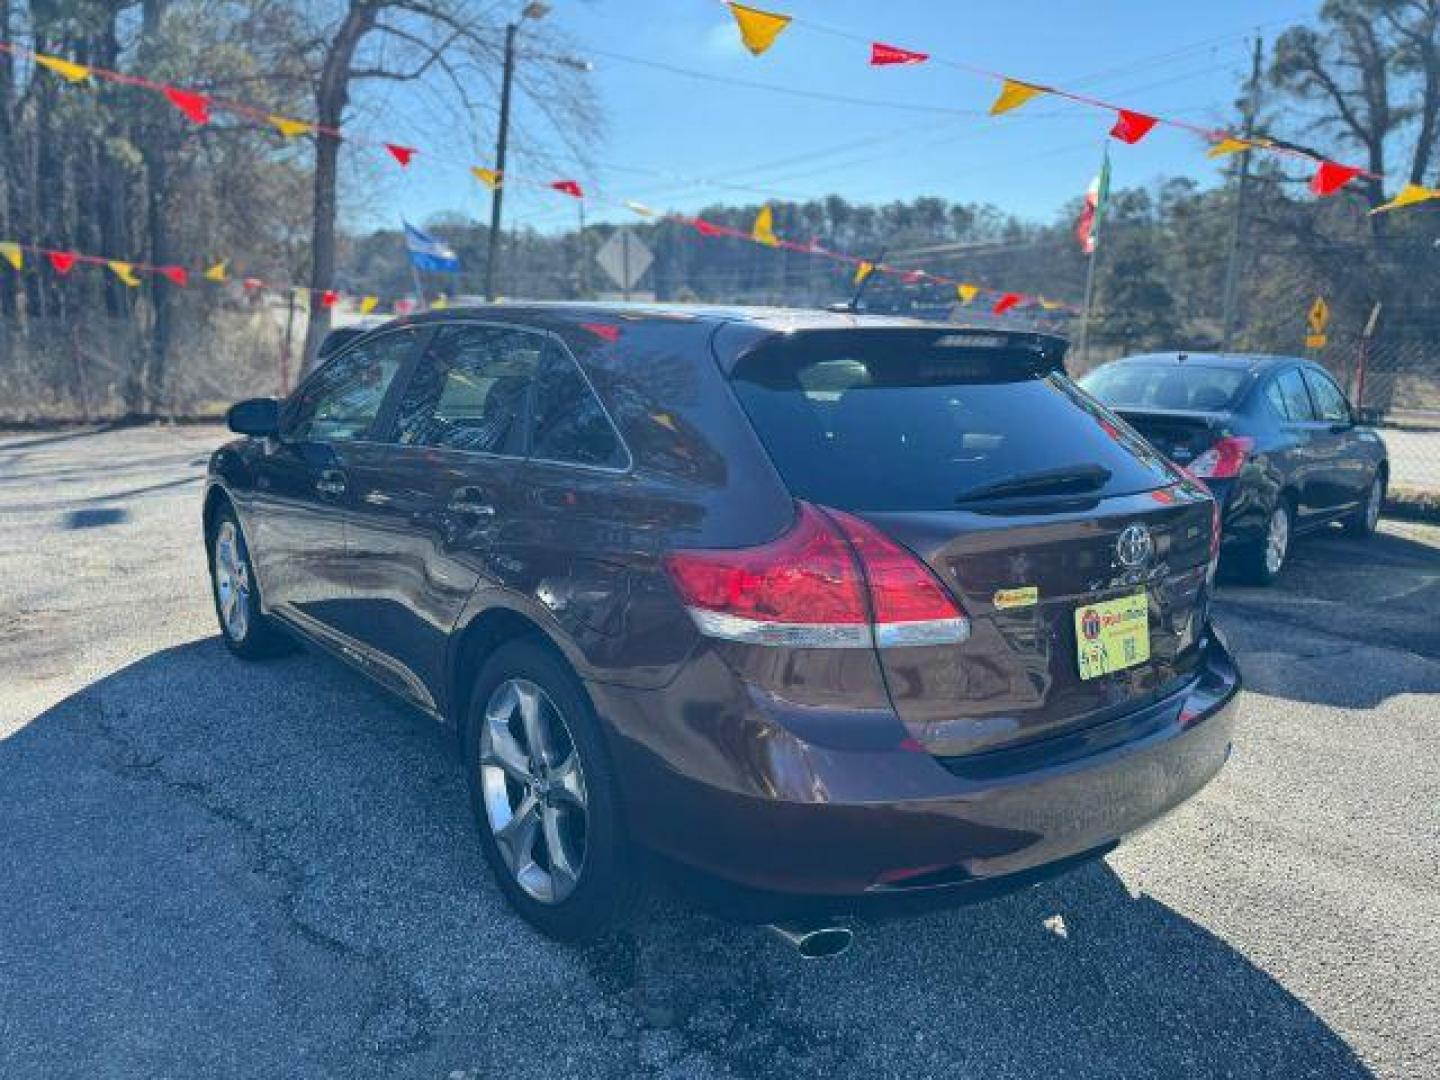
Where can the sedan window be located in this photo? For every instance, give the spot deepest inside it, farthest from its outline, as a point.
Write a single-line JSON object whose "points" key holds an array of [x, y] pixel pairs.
{"points": [[1297, 398], [468, 391], [1329, 401]]}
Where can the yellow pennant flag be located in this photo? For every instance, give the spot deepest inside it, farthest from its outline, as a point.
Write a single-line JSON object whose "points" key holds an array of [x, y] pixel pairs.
{"points": [[219, 272], [640, 208], [1014, 94], [489, 177], [758, 29], [966, 293], [1227, 146], [125, 272], [1409, 195], [763, 232], [863, 271], [1050, 305], [369, 304], [291, 129], [13, 255], [75, 73], [441, 303]]}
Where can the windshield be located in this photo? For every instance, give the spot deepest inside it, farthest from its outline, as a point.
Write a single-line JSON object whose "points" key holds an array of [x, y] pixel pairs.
{"points": [[868, 421], [1195, 387]]}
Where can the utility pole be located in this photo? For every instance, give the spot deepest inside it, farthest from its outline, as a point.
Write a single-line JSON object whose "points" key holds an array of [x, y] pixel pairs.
{"points": [[1242, 187], [502, 138]]}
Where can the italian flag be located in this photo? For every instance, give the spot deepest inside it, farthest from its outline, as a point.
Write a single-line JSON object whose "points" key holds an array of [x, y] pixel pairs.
{"points": [[1087, 229]]}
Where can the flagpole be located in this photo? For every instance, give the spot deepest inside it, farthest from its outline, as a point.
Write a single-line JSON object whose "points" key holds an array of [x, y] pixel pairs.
{"points": [[1083, 352], [419, 288]]}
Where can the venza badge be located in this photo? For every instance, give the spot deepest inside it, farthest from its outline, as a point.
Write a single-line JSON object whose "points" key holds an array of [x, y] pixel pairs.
{"points": [[1135, 546]]}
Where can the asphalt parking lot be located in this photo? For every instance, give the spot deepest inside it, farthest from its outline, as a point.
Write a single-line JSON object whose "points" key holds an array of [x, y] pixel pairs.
{"points": [[211, 869]]}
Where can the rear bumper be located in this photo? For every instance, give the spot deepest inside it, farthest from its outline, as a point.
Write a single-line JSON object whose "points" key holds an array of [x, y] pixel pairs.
{"points": [[769, 799]]}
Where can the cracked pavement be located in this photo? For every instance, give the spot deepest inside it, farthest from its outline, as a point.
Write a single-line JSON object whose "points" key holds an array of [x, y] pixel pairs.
{"points": [[217, 869]]}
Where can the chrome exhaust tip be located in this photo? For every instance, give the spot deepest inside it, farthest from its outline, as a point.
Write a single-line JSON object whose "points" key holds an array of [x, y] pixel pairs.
{"points": [[814, 941]]}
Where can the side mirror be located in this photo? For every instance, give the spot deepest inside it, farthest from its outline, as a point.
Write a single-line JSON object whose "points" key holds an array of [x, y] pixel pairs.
{"points": [[257, 416]]}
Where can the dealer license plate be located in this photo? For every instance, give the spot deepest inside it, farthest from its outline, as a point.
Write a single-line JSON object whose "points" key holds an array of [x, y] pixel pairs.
{"points": [[1112, 635]]}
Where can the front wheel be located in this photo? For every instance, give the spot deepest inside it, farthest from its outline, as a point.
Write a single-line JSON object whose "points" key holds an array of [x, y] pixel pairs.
{"points": [[1366, 518], [247, 632], [544, 796]]}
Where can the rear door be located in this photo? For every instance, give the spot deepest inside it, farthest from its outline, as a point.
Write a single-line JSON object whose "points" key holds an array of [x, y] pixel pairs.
{"points": [[431, 499], [1056, 528], [1343, 466], [1303, 463]]}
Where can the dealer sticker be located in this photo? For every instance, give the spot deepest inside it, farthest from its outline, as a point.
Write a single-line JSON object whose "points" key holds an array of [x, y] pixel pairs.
{"points": [[1025, 596]]}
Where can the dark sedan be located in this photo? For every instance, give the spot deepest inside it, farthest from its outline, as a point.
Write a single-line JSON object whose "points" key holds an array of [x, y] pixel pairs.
{"points": [[1272, 436], [797, 602]]}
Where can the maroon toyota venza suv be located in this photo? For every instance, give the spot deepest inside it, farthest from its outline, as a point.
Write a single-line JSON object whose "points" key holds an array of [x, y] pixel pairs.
{"points": [[826, 611]]}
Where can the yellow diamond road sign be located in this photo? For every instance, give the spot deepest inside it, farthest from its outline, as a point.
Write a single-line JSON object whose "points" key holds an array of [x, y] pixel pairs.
{"points": [[1319, 316]]}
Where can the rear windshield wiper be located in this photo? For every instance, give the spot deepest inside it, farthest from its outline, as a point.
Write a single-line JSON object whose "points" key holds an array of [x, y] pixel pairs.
{"points": [[1070, 480]]}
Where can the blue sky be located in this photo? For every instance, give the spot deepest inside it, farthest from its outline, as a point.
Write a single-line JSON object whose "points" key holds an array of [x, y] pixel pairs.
{"points": [[676, 141]]}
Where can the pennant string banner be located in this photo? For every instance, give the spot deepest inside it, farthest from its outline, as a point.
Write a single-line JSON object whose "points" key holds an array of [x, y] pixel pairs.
{"points": [[759, 30]]}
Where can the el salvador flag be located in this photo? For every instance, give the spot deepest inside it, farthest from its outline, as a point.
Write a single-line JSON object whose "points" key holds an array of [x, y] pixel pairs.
{"points": [[428, 253]]}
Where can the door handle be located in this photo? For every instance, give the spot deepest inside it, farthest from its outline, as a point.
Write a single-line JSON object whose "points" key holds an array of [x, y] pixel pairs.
{"points": [[331, 482], [470, 500]]}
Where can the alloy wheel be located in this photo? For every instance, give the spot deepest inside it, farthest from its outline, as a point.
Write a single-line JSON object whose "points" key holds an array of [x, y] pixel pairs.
{"points": [[1277, 540], [534, 790], [232, 582]]}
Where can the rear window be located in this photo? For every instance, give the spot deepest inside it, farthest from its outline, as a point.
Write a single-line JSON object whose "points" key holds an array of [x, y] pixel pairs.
{"points": [[890, 420], [1166, 386]]}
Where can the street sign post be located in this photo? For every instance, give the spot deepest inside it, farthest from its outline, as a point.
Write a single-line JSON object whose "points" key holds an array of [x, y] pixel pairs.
{"points": [[625, 258]]}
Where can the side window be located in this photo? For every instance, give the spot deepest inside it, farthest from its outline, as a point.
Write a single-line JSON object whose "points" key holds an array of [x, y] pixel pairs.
{"points": [[1329, 401], [1297, 399], [341, 402], [1276, 399], [469, 390], [570, 423]]}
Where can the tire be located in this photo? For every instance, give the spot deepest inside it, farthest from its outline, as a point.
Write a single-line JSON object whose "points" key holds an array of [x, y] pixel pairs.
{"points": [[246, 631], [564, 795], [1260, 563], [1366, 518]]}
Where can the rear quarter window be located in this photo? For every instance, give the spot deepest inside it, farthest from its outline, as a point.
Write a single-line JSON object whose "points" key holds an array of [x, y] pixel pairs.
{"points": [[872, 420]]}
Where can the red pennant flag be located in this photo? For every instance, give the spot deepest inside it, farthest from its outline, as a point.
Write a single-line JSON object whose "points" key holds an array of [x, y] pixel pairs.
{"points": [[1131, 127], [62, 261], [1006, 302], [329, 298], [177, 275], [601, 330], [568, 187], [914, 277], [404, 307], [705, 228], [1331, 176], [884, 55], [253, 284], [402, 154], [195, 106]]}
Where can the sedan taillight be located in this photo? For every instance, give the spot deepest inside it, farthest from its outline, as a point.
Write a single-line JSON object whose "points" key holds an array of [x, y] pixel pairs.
{"points": [[832, 581], [1225, 459]]}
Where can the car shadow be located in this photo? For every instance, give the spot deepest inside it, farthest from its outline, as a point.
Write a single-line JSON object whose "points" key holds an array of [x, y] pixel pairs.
{"points": [[271, 869], [1349, 622]]}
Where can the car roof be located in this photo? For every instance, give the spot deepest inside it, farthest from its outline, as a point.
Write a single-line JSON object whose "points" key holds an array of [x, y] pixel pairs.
{"points": [[777, 318], [1252, 362]]}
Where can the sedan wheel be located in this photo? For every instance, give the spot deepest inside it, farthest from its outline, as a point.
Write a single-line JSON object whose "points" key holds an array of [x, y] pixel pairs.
{"points": [[534, 790], [1277, 540]]}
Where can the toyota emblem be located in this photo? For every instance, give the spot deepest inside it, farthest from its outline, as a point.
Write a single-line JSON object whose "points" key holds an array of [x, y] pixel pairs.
{"points": [[1135, 546]]}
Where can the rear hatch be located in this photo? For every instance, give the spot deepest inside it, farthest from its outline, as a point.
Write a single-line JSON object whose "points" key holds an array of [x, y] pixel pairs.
{"points": [[1078, 555]]}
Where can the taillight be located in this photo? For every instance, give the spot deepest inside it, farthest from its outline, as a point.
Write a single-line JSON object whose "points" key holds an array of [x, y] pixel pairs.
{"points": [[831, 582], [1224, 459]]}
